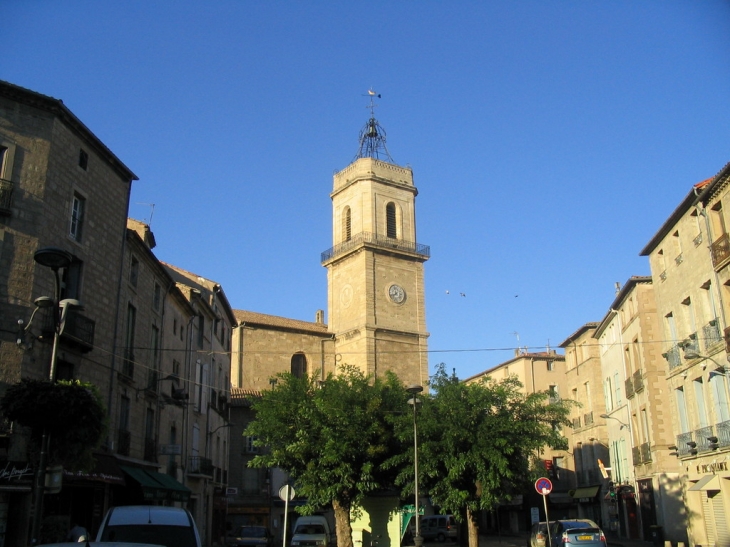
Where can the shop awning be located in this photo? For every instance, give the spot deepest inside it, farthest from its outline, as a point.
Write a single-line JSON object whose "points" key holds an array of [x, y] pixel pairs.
{"points": [[708, 482], [586, 492], [176, 490], [152, 489], [106, 469]]}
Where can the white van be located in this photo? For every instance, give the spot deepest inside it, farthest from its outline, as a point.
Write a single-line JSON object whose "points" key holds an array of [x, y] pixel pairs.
{"points": [[167, 526], [311, 531]]}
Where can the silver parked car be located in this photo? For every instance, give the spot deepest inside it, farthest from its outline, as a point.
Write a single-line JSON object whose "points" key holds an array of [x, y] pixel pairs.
{"points": [[577, 533]]}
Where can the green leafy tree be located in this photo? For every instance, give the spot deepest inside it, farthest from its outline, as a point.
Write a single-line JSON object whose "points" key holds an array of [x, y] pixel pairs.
{"points": [[71, 412], [331, 437], [477, 442]]}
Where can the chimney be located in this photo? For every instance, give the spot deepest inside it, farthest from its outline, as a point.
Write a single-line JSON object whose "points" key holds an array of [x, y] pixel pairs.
{"points": [[319, 317]]}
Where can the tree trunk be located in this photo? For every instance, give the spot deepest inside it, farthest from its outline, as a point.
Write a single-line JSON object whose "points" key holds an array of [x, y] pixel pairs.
{"points": [[342, 523], [472, 528]]}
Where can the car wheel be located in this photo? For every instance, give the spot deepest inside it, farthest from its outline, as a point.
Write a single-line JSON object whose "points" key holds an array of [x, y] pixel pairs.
{"points": [[441, 538]]}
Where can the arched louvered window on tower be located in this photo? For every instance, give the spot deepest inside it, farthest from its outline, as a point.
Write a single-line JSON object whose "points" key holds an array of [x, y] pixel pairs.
{"points": [[347, 224], [298, 365], [390, 218]]}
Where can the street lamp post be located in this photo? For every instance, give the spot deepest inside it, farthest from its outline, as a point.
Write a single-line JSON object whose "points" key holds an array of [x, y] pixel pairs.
{"points": [[55, 259], [415, 390]]}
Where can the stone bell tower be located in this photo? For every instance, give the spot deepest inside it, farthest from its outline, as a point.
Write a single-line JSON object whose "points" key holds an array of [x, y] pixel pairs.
{"points": [[376, 295]]}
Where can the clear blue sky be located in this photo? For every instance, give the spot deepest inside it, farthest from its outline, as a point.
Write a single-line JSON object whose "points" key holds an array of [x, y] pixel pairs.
{"points": [[549, 139]]}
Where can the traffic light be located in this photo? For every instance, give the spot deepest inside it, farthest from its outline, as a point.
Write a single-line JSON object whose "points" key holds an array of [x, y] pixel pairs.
{"points": [[612, 491]]}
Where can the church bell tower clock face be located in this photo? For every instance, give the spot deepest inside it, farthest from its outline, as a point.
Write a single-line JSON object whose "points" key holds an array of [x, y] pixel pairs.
{"points": [[397, 294], [376, 297]]}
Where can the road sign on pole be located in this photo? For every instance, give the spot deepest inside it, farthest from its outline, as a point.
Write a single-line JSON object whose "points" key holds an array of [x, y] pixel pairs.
{"points": [[543, 486]]}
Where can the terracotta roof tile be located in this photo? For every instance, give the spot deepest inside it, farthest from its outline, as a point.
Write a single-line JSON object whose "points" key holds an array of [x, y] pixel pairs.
{"points": [[274, 321]]}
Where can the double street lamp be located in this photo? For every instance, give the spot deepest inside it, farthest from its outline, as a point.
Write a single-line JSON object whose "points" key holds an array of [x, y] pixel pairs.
{"points": [[55, 259], [415, 390]]}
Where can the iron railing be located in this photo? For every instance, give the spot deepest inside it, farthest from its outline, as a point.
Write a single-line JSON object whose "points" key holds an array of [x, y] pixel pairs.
{"points": [[723, 433], [576, 423], [369, 238], [711, 334], [636, 455], [645, 452], [201, 466], [672, 357], [683, 447], [588, 418], [629, 386], [720, 250], [702, 437], [638, 381]]}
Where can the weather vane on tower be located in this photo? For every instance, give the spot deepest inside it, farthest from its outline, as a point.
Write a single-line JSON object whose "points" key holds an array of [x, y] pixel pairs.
{"points": [[372, 136]]}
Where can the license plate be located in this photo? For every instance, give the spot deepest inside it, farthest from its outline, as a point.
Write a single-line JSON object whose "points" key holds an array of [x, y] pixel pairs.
{"points": [[585, 538]]}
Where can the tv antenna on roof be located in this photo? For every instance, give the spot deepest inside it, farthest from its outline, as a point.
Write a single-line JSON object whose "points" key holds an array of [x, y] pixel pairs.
{"points": [[372, 136], [152, 212]]}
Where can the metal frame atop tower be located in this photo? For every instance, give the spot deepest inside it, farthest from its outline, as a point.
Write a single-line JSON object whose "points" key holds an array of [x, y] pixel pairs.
{"points": [[372, 136]]}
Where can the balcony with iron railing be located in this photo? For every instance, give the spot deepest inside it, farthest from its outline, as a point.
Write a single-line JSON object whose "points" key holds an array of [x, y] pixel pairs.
{"points": [[629, 387], [638, 379], [683, 444], [588, 418], [576, 423], [201, 466], [672, 356], [645, 450], [6, 197], [702, 436], [77, 330], [720, 251], [369, 239], [636, 455], [711, 334]]}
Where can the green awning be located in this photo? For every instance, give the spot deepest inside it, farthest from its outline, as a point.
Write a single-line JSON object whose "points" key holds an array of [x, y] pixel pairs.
{"points": [[152, 489], [587, 492], [176, 490]]}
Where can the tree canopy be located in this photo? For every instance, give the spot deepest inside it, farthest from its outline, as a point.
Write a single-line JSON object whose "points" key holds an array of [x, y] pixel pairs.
{"points": [[477, 440], [331, 436]]}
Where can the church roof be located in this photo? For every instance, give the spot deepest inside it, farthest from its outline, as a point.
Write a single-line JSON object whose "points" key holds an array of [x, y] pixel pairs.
{"points": [[274, 321], [243, 397]]}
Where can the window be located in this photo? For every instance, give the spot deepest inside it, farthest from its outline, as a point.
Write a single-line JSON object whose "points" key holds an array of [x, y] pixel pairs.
{"points": [[176, 367], [7, 152], [78, 207], [298, 365], [717, 218], [608, 394], [681, 410], [71, 280], [554, 395], [155, 358], [157, 297], [83, 159], [249, 447], [617, 388], [347, 224], [550, 366], [700, 402], [201, 329], [390, 218], [134, 271], [718, 382], [128, 366], [174, 326]]}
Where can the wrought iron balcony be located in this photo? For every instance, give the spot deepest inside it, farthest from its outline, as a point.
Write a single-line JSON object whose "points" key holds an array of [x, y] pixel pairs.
{"points": [[588, 418], [702, 436], [201, 466], [723, 433], [683, 446], [711, 333], [77, 330], [672, 357], [380, 242], [6, 197], [645, 452], [576, 423], [638, 381], [691, 344], [629, 386], [720, 250], [636, 455]]}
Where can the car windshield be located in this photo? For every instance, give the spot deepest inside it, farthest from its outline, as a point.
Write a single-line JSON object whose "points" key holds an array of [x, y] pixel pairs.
{"points": [[308, 529], [169, 536], [252, 532]]}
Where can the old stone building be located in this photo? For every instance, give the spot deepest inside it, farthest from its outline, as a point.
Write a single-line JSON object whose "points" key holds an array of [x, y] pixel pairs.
{"points": [[64, 192]]}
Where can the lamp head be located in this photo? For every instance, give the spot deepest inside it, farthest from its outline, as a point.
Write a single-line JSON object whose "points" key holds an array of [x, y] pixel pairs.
{"points": [[414, 388], [53, 257], [43, 302]]}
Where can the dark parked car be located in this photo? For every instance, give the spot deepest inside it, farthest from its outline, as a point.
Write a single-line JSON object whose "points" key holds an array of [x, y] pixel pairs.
{"points": [[250, 536], [577, 533]]}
